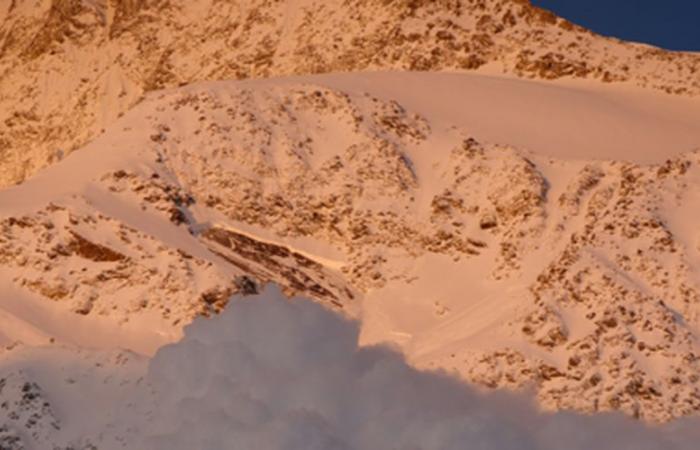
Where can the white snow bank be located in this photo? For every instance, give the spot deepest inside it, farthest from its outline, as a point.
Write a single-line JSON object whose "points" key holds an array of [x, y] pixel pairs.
{"points": [[270, 373]]}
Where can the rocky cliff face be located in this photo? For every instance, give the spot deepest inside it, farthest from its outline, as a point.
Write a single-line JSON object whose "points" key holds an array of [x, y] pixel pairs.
{"points": [[69, 68]]}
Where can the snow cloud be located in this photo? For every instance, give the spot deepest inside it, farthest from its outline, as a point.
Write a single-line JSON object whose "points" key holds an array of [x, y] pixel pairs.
{"points": [[272, 373]]}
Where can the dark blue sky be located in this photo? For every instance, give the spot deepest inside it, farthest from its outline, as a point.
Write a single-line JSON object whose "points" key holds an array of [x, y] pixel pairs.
{"points": [[672, 24]]}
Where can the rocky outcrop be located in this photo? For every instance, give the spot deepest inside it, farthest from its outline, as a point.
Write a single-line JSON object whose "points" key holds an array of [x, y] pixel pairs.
{"points": [[618, 296], [26, 415]]}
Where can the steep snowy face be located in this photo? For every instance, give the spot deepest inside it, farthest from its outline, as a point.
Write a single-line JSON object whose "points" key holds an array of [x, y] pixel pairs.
{"points": [[510, 268], [68, 68]]}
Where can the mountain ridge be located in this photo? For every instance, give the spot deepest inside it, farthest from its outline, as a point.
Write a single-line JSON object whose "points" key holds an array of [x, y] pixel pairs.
{"points": [[71, 67]]}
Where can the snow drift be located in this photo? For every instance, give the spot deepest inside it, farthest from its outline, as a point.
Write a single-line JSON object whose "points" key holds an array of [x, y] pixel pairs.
{"points": [[272, 373]]}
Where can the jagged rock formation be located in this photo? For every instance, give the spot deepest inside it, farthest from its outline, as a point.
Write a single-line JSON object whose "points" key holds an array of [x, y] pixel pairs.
{"points": [[68, 68], [54, 254]]}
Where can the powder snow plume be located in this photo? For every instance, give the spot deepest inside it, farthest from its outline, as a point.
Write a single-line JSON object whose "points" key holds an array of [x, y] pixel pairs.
{"points": [[272, 373]]}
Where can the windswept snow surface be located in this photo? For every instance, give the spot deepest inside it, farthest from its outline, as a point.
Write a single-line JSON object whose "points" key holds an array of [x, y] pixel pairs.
{"points": [[564, 119], [274, 373]]}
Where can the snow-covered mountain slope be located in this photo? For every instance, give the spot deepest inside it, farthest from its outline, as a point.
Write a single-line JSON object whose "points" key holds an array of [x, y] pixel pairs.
{"points": [[433, 224], [67, 397], [69, 68]]}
